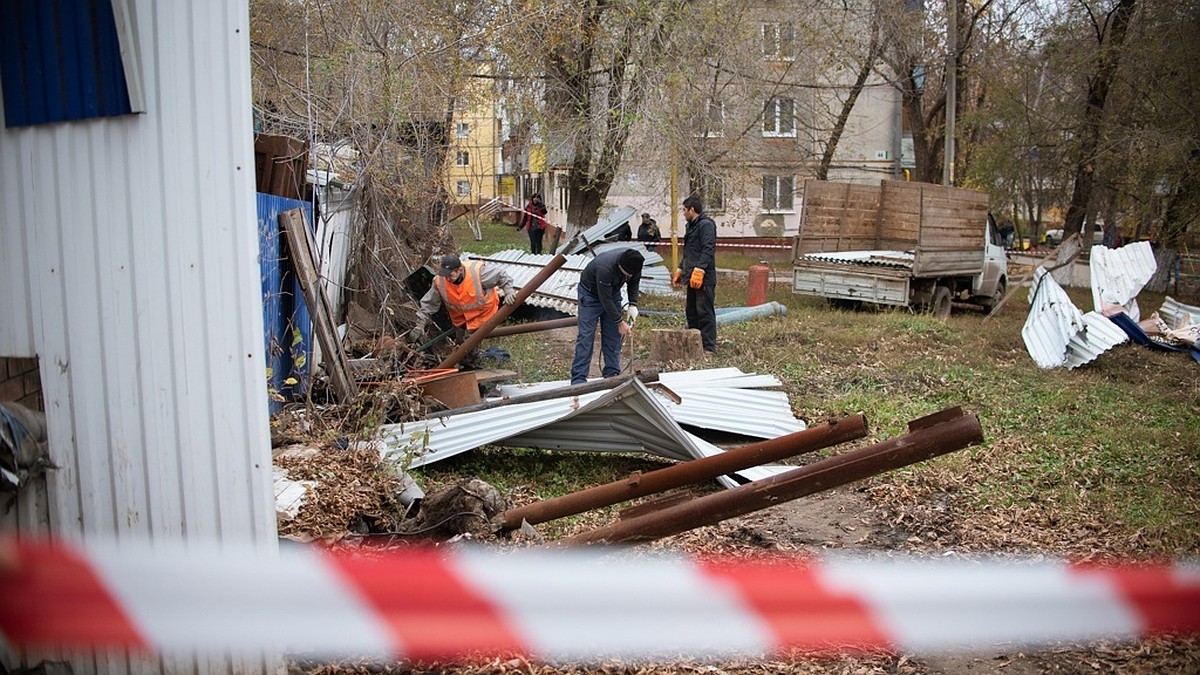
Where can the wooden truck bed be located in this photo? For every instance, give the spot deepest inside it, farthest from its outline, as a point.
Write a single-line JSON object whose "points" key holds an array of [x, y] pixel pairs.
{"points": [[943, 227]]}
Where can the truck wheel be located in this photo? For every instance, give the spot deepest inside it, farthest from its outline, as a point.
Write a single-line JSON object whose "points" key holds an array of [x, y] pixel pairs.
{"points": [[939, 306], [1001, 289]]}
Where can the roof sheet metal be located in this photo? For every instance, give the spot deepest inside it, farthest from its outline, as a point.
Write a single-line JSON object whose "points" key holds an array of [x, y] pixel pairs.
{"points": [[428, 441], [559, 291], [1177, 315], [1119, 274], [903, 259], [599, 231], [626, 419], [1057, 334], [717, 399]]}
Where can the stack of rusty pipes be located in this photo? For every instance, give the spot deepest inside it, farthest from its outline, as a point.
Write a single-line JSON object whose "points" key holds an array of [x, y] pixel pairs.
{"points": [[927, 437], [687, 473]]}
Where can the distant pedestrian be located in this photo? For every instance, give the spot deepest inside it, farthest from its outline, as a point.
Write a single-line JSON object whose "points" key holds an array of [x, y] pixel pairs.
{"points": [[622, 233], [648, 232], [533, 219], [699, 268], [600, 305]]}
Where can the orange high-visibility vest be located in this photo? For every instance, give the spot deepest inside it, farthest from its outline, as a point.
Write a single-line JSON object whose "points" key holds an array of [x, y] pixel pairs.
{"points": [[467, 302]]}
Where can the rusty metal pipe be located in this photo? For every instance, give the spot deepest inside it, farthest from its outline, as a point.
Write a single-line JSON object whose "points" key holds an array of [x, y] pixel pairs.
{"points": [[534, 326], [501, 314], [687, 473], [921, 443]]}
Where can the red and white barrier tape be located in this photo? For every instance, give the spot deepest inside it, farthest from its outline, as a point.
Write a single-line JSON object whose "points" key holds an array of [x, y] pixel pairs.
{"points": [[570, 604]]}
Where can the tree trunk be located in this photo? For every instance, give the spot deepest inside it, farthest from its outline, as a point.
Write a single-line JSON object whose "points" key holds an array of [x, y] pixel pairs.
{"points": [[675, 346], [839, 127], [1108, 57]]}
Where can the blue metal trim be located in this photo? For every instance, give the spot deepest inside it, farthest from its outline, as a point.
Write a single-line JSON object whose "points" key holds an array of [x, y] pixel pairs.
{"points": [[60, 60]]}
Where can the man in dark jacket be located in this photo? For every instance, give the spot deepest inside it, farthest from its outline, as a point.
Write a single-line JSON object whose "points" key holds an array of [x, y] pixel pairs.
{"points": [[600, 304], [648, 232], [698, 270]]}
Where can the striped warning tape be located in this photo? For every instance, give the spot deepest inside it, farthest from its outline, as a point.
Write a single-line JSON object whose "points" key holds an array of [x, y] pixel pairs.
{"points": [[568, 605]]}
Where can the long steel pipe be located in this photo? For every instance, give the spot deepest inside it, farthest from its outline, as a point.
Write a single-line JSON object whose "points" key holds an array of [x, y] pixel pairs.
{"points": [[687, 473], [921, 443], [501, 314], [534, 326]]}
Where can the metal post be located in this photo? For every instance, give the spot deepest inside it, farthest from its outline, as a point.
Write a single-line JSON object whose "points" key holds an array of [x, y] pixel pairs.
{"points": [[687, 473], [951, 91], [534, 326], [921, 443]]}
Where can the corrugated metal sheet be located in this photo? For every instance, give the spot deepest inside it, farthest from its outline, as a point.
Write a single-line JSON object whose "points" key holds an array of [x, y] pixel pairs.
{"points": [[559, 291], [284, 307], [717, 399], [1057, 334], [1119, 274], [1176, 314], [601, 230], [129, 257], [900, 259], [626, 419], [61, 61]]}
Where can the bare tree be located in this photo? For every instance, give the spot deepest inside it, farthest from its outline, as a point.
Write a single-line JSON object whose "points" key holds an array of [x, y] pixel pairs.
{"points": [[1109, 22]]}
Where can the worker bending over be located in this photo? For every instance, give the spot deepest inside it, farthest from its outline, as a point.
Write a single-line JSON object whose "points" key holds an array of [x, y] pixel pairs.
{"points": [[600, 303], [471, 292]]}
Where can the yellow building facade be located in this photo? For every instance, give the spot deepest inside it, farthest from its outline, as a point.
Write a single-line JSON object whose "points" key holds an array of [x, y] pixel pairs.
{"points": [[474, 148]]}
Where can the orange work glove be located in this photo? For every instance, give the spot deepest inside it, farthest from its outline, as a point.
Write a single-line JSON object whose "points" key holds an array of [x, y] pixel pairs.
{"points": [[697, 278], [676, 277]]}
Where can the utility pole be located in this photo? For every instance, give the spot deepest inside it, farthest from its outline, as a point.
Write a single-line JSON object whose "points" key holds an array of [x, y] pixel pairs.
{"points": [[951, 91], [674, 216]]}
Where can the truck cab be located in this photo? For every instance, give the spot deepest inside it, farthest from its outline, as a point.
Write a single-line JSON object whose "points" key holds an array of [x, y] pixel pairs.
{"points": [[989, 286]]}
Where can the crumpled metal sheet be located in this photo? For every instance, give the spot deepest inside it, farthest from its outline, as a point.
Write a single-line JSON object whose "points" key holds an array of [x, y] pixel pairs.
{"points": [[1177, 315], [629, 418], [1057, 334], [1119, 274], [600, 231]]}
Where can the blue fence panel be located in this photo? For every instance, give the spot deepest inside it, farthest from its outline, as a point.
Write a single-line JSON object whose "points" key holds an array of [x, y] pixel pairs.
{"points": [[286, 320]]}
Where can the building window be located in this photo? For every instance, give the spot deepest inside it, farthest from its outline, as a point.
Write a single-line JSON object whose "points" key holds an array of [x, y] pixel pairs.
{"points": [[777, 193], [779, 118], [714, 125], [463, 130], [463, 158], [463, 188], [64, 61], [711, 190], [779, 41]]}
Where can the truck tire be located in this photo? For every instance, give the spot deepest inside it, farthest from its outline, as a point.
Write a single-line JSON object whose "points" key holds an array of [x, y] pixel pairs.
{"points": [[939, 305], [990, 303]]}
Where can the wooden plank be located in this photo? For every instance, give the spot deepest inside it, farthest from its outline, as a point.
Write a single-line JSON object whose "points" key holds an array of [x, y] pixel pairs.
{"points": [[333, 356]]}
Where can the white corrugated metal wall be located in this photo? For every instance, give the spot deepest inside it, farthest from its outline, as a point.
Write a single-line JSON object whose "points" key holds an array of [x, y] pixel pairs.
{"points": [[128, 265]]}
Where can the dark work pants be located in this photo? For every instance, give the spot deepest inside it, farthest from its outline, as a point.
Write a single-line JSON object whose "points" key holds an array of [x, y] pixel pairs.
{"points": [[702, 314], [591, 316], [535, 239]]}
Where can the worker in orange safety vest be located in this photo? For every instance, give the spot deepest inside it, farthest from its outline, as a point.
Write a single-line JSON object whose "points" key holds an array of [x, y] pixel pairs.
{"points": [[471, 293]]}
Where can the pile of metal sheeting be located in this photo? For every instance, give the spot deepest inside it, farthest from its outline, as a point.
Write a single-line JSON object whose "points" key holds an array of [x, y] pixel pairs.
{"points": [[717, 399], [1057, 334], [559, 291], [628, 418]]}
